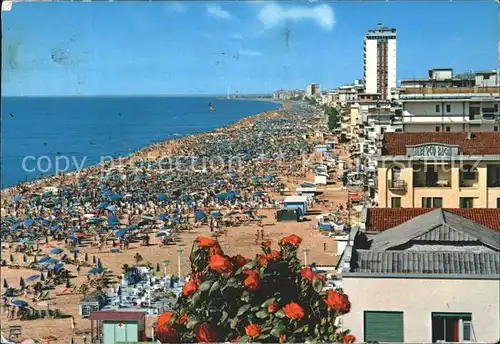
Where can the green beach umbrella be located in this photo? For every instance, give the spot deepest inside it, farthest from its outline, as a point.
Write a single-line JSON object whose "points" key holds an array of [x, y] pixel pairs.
{"points": [[25, 259], [5, 284], [86, 257], [158, 267], [42, 277], [11, 258], [22, 283]]}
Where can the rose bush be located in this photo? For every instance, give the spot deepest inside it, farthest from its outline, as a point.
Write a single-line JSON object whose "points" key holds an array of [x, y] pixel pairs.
{"points": [[268, 299]]}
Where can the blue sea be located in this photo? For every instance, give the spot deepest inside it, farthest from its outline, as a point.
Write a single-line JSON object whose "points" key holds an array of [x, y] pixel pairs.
{"points": [[38, 130]]}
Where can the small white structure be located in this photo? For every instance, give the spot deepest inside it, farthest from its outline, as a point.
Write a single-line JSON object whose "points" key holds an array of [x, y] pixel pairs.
{"points": [[320, 179]]}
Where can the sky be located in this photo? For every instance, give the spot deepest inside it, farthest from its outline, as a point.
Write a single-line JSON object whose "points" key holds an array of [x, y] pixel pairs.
{"points": [[173, 48]]}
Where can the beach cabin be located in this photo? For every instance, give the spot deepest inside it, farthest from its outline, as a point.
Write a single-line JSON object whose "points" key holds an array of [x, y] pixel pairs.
{"points": [[320, 179], [306, 190], [299, 202], [321, 148], [110, 327]]}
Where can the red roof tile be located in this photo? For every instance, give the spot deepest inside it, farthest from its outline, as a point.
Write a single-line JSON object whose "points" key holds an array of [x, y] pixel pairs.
{"points": [[117, 315], [381, 219], [481, 143]]}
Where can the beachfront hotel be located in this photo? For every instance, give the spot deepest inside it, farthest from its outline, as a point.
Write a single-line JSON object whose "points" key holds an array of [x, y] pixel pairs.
{"points": [[444, 102], [380, 61], [439, 170], [432, 276]]}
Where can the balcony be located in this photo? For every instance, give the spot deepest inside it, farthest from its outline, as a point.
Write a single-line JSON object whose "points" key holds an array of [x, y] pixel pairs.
{"points": [[432, 176], [397, 185], [450, 90]]}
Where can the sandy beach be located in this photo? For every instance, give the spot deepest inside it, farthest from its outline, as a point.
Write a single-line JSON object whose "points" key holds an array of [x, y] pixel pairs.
{"points": [[240, 239]]}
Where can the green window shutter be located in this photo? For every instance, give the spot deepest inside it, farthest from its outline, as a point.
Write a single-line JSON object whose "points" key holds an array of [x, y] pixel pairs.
{"points": [[384, 326]]}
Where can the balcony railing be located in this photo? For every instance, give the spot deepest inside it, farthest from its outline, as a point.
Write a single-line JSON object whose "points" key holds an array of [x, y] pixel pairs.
{"points": [[442, 90], [399, 185]]}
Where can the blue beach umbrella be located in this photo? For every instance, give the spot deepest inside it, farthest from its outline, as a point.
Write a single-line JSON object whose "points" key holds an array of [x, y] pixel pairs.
{"points": [[28, 222], [161, 234], [14, 227], [115, 197], [162, 197], [16, 198], [163, 217], [56, 250], [102, 205], [49, 261], [19, 303], [95, 271], [94, 220], [31, 278]]}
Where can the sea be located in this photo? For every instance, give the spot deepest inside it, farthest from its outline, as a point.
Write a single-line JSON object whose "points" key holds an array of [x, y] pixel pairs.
{"points": [[42, 134]]}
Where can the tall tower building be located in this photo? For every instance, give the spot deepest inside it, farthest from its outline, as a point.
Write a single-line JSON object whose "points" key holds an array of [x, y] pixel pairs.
{"points": [[380, 61]]}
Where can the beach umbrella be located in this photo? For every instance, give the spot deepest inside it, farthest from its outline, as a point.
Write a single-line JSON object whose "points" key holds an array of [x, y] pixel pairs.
{"points": [[57, 267], [25, 259], [99, 264], [68, 283], [5, 284], [102, 205], [11, 258], [49, 261], [28, 222], [115, 197], [94, 220], [14, 227], [95, 271], [110, 208], [16, 198], [56, 250], [42, 277], [161, 234], [22, 284], [55, 227], [44, 259], [94, 260], [32, 278], [162, 197], [132, 227], [158, 269], [86, 257], [19, 303]]}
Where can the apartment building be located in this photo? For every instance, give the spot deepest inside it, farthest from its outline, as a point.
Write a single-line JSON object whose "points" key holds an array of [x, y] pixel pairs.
{"points": [[435, 274], [380, 61], [313, 90], [447, 103], [431, 170]]}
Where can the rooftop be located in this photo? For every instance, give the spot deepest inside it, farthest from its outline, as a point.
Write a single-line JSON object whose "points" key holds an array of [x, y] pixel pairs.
{"points": [[381, 219], [449, 90], [480, 143], [117, 315]]}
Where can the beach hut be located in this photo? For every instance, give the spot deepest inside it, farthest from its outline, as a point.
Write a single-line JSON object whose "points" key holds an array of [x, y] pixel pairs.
{"points": [[118, 326], [309, 190], [299, 202]]}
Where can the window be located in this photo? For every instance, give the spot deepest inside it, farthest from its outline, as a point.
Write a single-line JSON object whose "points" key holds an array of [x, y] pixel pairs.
{"points": [[495, 106], [448, 108], [448, 128], [468, 172], [438, 129], [432, 202], [383, 326], [452, 327], [396, 202], [498, 202], [438, 108], [495, 128], [466, 202], [486, 77]]}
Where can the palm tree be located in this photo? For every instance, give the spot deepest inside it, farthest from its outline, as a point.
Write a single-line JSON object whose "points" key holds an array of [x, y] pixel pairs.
{"points": [[138, 258]]}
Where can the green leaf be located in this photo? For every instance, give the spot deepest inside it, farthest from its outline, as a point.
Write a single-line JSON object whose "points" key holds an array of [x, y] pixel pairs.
{"points": [[302, 329], [195, 298], [264, 336], [268, 301], [278, 330], [223, 317], [234, 323], [318, 284], [245, 296], [243, 339], [243, 309], [205, 286], [192, 322], [249, 265], [214, 287], [280, 314], [262, 314]]}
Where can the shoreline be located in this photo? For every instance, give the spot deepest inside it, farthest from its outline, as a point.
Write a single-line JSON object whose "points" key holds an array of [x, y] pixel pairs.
{"points": [[4, 192]]}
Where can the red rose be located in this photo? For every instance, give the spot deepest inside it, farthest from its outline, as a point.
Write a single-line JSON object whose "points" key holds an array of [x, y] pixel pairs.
{"points": [[272, 307], [216, 249], [262, 260], [266, 244], [166, 334], [253, 330], [206, 333], [190, 288], [274, 255], [307, 274], [348, 339], [291, 240], [239, 261], [164, 318], [293, 311], [338, 301], [205, 242], [183, 319], [252, 282], [220, 264]]}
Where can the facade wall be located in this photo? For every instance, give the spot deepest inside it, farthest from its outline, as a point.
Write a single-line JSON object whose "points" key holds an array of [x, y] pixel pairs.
{"points": [[484, 197], [391, 65], [464, 127], [418, 298], [370, 66]]}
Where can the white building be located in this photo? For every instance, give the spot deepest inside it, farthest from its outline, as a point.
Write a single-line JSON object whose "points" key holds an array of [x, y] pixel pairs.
{"points": [[431, 279], [380, 61], [447, 103], [313, 90]]}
